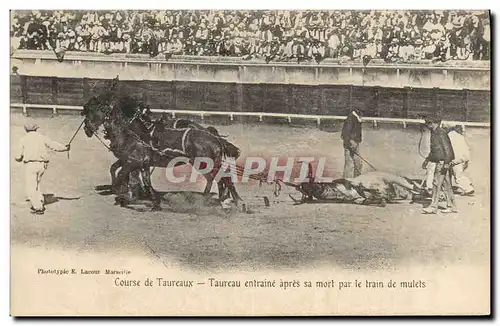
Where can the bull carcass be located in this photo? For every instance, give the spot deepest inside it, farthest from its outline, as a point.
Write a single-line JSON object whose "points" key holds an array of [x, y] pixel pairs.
{"points": [[371, 188]]}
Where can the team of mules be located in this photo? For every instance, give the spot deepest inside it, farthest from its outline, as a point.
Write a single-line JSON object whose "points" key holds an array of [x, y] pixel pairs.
{"points": [[140, 143]]}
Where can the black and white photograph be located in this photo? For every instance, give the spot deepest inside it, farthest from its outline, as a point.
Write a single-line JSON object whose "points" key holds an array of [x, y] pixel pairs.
{"points": [[198, 162]]}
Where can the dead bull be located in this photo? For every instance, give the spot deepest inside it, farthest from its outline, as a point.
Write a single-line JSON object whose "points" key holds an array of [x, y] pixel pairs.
{"points": [[372, 188]]}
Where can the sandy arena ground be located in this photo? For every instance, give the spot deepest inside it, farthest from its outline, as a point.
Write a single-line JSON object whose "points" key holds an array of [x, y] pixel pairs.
{"points": [[80, 218]]}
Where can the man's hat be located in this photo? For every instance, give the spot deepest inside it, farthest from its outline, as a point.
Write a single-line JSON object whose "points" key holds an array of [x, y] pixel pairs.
{"points": [[432, 119], [30, 127]]}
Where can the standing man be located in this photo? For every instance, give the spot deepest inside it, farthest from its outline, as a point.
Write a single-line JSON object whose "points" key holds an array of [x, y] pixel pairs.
{"points": [[352, 136], [461, 161], [33, 152], [459, 164], [442, 155]]}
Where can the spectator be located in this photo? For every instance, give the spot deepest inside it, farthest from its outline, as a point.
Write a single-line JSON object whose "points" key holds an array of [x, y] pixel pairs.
{"points": [[280, 35], [333, 42], [485, 41]]}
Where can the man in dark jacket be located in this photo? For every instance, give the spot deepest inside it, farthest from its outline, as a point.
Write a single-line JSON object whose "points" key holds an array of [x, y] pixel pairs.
{"points": [[442, 155], [352, 136]]}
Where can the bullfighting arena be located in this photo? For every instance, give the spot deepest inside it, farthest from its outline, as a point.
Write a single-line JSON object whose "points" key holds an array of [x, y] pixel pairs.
{"points": [[283, 235], [82, 229]]}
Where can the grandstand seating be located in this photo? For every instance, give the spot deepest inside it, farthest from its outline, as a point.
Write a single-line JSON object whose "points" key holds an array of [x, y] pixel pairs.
{"points": [[392, 36]]}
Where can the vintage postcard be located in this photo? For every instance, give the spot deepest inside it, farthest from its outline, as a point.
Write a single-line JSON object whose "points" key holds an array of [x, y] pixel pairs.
{"points": [[250, 162]]}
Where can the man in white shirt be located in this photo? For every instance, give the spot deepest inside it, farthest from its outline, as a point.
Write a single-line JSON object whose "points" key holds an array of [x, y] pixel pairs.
{"points": [[461, 161], [33, 153]]}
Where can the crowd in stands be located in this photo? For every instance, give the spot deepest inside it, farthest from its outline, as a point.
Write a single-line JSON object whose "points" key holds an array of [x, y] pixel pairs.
{"points": [[394, 36]]}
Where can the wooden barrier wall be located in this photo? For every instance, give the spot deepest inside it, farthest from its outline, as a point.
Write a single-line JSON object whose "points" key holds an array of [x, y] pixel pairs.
{"points": [[457, 105]]}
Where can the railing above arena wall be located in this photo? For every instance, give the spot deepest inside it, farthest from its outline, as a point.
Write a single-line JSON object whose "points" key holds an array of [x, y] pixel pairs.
{"points": [[474, 75], [226, 60], [261, 115]]}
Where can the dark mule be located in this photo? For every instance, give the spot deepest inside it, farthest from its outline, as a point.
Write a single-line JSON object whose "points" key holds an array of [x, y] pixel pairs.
{"points": [[138, 147], [146, 117], [126, 136], [198, 142], [182, 124], [165, 123], [95, 118]]}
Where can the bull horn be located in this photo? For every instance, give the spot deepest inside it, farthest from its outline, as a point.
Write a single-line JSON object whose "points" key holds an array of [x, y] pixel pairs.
{"points": [[289, 184]]}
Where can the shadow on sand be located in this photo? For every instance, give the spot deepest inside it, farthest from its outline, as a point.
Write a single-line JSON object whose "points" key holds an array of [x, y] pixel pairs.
{"points": [[173, 201], [51, 199]]}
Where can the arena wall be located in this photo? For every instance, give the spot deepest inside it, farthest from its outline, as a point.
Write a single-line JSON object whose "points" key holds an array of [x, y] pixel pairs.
{"points": [[474, 75], [228, 85]]}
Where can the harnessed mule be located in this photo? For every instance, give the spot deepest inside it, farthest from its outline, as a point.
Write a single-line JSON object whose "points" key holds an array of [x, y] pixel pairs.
{"points": [[128, 142], [193, 142], [146, 117], [136, 140], [184, 123]]}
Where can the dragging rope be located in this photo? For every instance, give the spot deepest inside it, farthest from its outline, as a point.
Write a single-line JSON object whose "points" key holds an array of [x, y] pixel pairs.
{"points": [[102, 141], [74, 135], [364, 160]]}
